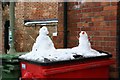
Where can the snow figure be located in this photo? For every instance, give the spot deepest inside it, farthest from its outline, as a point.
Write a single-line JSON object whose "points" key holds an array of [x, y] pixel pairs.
{"points": [[84, 43], [43, 41], [84, 47], [42, 47]]}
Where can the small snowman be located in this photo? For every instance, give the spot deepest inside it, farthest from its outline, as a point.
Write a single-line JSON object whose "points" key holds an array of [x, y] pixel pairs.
{"points": [[84, 47], [84, 43]]}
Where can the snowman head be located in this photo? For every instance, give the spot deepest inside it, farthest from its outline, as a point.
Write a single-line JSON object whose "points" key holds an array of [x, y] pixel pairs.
{"points": [[43, 31], [83, 35]]}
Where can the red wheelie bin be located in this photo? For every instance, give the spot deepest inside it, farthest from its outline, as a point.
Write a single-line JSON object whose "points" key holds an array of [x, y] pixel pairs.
{"points": [[79, 68]]}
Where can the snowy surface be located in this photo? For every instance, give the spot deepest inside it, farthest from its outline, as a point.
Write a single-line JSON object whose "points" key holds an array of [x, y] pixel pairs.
{"points": [[43, 49]]}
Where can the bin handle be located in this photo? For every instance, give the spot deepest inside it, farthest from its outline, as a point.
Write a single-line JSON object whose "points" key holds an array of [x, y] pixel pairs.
{"points": [[78, 67]]}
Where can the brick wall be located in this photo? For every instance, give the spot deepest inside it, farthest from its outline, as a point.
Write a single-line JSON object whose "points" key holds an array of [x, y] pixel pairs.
{"points": [[98, 19], [25, 36], [40, 10], [58, 40]]}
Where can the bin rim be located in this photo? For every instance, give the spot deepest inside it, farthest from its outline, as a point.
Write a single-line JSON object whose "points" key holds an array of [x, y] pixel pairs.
{"points": [[82, 59]]}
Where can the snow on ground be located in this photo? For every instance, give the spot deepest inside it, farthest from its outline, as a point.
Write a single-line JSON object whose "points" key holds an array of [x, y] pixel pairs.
{"points": [[43, 49]]}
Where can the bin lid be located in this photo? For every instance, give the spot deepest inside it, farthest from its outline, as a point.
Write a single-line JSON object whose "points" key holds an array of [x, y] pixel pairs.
{"points": [[77, 58]]}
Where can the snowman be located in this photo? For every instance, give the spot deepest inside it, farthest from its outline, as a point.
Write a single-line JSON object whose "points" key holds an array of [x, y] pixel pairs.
{"points": [[84, 47], [43, 41], [42, 47], [84, 43]]}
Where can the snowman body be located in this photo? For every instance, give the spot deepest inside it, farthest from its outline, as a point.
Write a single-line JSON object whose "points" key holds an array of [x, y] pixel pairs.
{"points": [[84, 43], [43, 41], [84, 47], [42, 47]]}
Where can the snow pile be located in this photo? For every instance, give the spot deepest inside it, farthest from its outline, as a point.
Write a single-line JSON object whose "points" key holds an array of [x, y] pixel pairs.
{"points": [[84, 47], [43, 49], [61, 54]]}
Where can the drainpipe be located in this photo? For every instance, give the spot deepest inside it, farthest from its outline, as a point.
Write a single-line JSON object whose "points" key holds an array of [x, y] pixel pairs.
{"points": [[118, 39], [12, 24], [65, 25]]}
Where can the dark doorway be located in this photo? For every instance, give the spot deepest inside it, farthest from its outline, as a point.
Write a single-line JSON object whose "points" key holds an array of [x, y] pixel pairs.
{"points": [[6, 36]]}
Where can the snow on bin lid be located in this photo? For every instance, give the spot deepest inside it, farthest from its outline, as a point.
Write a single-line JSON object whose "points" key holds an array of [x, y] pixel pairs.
{"points": [[44, 51], [78, 58]]}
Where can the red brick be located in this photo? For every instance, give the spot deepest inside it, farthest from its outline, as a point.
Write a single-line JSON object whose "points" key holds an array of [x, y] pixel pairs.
{"points": [[105, 3], [91, 4], [97, 39], [74, 12], [101, 18], [86, 5], [97, 47], [111, 43], [79, 24], [113, 23], [72, 33], [86, 28], [109, 28], [85, 20], [97, 9], [110, 8], [104, 33], [60, 33], [86, 25], [109, 49], [103, 23], [95, 43], [86, 10], [96, 24], [79, 15], [72, 38], [60, 28], [114, 3], [113, 33], [74, 29], [73, 17], [91, 24], [72, 43], [97, 4], [72, 25], [109, 18], [96, 14]]}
